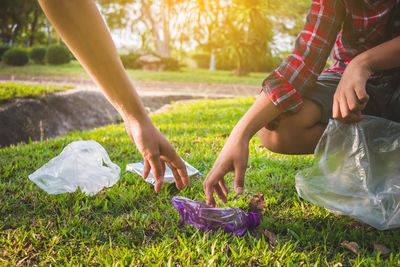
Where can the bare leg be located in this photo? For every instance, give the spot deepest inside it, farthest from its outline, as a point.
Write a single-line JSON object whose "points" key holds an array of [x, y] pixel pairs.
{"points": [[296, 134]]}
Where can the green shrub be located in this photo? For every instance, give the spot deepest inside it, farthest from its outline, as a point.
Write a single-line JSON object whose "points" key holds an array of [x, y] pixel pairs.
{"points": [[3, 49], [15, 57], [202, 60], [57, 55], [170, 63], [38, 54], [130, 61]]}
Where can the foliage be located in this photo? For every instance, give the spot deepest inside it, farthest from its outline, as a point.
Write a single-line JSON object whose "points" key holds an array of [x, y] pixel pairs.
{"points": [[3, 49], [15, 57], [11, 90], [21, 22], [57, 55], [170, 63], [247, 33], [238, 32], [202, 60], [130, 61], [37, 54], [129, 225]]}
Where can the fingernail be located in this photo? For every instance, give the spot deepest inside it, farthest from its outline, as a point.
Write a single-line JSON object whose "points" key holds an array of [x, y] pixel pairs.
{"points": [[239, 190]]}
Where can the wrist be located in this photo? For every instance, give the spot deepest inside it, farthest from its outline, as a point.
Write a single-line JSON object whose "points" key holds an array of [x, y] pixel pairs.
{"points": [[136, 121], [363, 62], [241, 133]]}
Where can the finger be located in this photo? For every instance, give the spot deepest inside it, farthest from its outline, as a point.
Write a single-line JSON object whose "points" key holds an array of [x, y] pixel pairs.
{"points": [[208, 187], [361, 94], [178, 182], [336, 109], [184, 175], [156, 169], [163, 168], [175, 161], [352, 101], [344, 110], [209, 191], [146, 169], [220, 193], [239, 179], [223, 186], [353, 117]]}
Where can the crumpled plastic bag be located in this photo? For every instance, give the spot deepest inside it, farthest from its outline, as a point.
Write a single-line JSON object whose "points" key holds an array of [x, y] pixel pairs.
{"points": [[83, 164], [357, 172]]}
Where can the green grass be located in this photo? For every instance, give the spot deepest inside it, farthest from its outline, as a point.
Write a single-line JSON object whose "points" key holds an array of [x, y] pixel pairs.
{"points": [[11, 90], [128, 224], [75, 71]]}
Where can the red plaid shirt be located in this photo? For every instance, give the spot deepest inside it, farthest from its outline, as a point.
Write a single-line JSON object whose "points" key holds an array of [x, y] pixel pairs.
{"points": [[356, 25]]}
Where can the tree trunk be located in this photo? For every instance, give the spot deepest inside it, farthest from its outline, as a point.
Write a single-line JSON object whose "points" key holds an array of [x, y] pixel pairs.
{"points": [[162, 45], [33, 26], [165, 49], [213, 62]]}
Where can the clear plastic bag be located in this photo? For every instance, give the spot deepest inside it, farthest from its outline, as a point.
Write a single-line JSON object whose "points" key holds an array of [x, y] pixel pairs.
{"points": [[357, 172], [83, 164]]}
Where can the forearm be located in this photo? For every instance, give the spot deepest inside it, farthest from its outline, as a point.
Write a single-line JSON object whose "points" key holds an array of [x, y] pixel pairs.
{"points": [[82, 28], [382, 57], [260, 113]]}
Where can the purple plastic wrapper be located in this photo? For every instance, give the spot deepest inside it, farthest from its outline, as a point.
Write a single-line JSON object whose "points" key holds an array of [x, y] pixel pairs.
{"points": [[229, 219]]}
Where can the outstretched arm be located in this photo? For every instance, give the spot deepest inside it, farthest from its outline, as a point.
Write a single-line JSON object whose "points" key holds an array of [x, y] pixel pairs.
{"points": [[82, 28], [351, 96], [235, 153]]}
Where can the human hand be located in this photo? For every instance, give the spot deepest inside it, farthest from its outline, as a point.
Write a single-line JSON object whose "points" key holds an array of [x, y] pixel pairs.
{"points": [[351, 96], [157, 152], [233, 157]]}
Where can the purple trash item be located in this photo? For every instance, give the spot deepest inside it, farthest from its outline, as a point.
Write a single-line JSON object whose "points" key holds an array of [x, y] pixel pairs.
{"points": [[229, 219]]}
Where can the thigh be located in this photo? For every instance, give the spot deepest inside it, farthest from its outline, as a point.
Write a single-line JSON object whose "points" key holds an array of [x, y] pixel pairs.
{"points": [[322, 93]]}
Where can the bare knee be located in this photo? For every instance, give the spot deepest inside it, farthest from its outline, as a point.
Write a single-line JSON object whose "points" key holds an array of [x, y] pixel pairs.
{"points": [[296, 134], [274, 141]]}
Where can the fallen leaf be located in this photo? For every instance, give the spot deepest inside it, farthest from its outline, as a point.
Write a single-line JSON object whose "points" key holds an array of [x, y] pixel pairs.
{"points": [[381, 248], [257, 204], [271, 237], [352, 246]]}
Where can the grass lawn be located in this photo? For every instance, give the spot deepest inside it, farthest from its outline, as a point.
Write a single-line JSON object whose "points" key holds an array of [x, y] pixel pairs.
{"points": [[74, 70], [128, 224], [11, 90]]}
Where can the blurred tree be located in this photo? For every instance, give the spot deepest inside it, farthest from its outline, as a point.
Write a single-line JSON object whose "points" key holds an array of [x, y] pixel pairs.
{"points": [[289, 16], [20, 22], [241, 31], [203, 20], [247, 33], [157, 17]]}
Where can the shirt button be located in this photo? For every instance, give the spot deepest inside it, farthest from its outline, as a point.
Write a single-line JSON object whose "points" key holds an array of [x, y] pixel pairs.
{"points": [[361, 40]]}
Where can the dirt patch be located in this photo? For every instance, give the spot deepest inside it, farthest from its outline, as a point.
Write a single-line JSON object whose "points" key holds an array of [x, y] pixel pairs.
{"points": [[57, 114], [166, 87]]}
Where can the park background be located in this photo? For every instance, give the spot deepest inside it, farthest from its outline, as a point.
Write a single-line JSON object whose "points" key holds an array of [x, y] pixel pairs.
{"points": [[203, 48]]}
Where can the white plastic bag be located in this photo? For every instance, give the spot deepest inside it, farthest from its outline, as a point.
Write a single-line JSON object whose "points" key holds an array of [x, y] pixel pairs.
{"points": [[83, 164], [357, 172], [168, 175]]}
